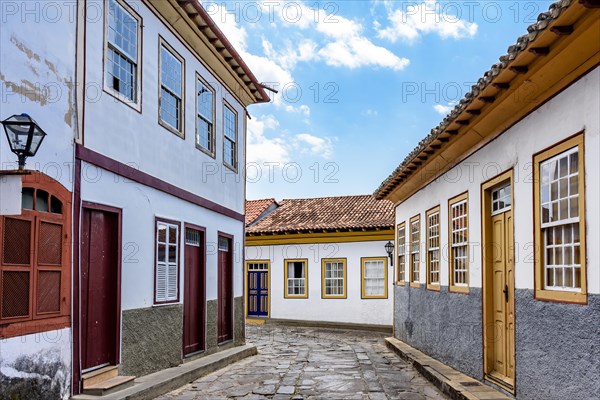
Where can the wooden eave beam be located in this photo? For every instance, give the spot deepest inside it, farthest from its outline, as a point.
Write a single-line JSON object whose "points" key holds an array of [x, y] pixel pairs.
{"points": [[562, 30], [540, 51], [519, 69]]}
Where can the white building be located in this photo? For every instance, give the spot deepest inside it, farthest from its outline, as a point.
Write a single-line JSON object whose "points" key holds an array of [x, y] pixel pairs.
{"points": [[497, 219], [320, 261], [149, 145]]}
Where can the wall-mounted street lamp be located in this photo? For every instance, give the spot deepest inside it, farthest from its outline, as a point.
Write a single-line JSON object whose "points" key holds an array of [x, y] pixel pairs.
{"points": [[24, 136], [389, 248]]}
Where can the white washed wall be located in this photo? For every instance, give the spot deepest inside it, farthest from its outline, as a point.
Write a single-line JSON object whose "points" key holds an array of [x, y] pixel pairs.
{"points": [[573, 110], [351, 310], [140, 205], [116, 130], [37, 77]]}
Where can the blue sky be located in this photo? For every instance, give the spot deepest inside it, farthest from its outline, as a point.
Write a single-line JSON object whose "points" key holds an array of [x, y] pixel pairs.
{"points": [[360, 82]]}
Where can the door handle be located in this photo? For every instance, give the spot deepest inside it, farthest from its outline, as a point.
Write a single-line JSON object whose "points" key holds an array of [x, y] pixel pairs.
{"points": [[505, 293]]}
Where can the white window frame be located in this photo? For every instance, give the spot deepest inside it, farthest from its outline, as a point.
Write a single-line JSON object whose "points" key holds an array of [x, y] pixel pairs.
{"points": [[415, 251], [180, 130], [234, 142], [401, 249], [136, 102], [503, 200], [208, 119], [170, 270]]}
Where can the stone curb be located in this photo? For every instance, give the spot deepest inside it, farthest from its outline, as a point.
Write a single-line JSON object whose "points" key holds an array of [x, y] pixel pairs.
{"points": [[456, 385], [161, 382], [329, 325]]}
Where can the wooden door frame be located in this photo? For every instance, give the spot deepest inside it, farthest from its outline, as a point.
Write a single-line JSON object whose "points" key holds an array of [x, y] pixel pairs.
{"points": [[119, 212], [486, 283], [268, 262], [204, 308], [232, 255]]}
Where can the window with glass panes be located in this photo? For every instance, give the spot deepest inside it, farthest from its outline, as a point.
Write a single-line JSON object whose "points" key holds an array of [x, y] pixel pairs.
{"points": [[334, 276], [374, 278], [229, 137], [121, 69], [401, 266], [415, 247], [560, 221], [171, 89], [167, 262], [205, 137], [295, 276], [459, 242], [433, 247]]}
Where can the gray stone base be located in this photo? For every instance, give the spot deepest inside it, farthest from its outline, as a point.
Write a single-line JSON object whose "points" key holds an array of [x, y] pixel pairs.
{"points": [[151, 339], [239, 322]]}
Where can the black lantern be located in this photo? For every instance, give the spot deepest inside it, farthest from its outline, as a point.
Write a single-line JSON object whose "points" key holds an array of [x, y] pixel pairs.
{"points": [[389, 248], [24, 136]]}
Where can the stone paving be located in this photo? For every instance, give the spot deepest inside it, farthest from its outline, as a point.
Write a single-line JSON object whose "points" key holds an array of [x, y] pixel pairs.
{"points": [[309, 363]]}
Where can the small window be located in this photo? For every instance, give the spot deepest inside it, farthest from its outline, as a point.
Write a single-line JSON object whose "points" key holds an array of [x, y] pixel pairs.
{"points": [[296, 279], [501, 199], [171, 90], [41, 201], [223, 243], [415, 250], [205, 133], [401, 250], [560, 222], [55, 205], [122, 51], [334, 279], [230, 137], [258, 266], [192, 237], [458, 245], [27, 198], [374, 278], [433, 248], [167, 262]]}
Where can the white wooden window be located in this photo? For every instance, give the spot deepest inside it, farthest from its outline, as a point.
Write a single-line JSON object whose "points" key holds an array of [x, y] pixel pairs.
{"points": [[561, 221], [401, 253], [171, 89], [205, 135], [296, 278], [433, 247], [229, 137], [122, 51], [374, 278], [258, 266], [334, 278], [167, 262], [459, 242], [415, 248]]}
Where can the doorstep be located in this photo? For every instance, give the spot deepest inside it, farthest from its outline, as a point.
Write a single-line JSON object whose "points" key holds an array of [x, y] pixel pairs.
{"points": [[450, 381], [161, 382]]}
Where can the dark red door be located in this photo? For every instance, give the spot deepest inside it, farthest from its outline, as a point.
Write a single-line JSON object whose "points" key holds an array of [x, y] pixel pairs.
{"points": [[193, 296], [99, 285], [225, 295]]}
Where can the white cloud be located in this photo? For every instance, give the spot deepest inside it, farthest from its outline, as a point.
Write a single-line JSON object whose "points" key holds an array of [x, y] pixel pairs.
{"points": [[369, 113], [444, 109], [429, 16], [260, 147], [316, 145]]}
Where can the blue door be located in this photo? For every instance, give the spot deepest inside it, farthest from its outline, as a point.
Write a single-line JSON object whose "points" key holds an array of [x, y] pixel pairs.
{"points": [[258, 290]]}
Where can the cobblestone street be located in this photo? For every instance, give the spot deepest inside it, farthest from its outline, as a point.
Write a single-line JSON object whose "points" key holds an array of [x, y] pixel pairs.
{"points": [[306, 363]]}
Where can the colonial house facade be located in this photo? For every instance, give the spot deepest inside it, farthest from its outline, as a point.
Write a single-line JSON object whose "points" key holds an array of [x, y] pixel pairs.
{"points": [[320, 260], [151, 207], [497, 223]]}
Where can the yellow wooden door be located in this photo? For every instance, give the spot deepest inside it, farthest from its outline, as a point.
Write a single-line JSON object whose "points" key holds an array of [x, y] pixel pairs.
{"points": [[503, 355]]}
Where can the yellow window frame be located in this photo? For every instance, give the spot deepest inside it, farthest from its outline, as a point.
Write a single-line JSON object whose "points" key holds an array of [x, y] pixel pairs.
{"points": [[285, 279], [334, 296], [385, 277], [452, 286], [540, 292]]}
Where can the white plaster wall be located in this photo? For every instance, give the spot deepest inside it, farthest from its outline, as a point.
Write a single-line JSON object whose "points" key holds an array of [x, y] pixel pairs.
{"points": [[36, 77], [116, 130], [140, 205], [573, 110], [350, 310], [42, 348]]}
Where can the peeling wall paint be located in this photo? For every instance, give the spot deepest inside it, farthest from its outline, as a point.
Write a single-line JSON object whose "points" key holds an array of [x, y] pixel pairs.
{"points": [[36, 366]]}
